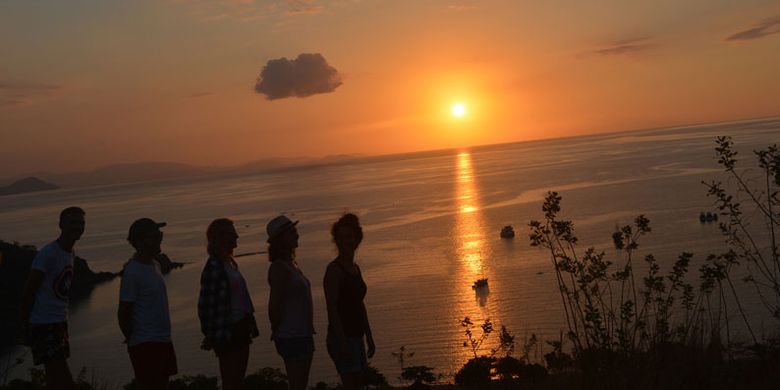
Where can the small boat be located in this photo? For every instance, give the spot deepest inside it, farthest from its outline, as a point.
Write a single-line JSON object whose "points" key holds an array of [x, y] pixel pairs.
{"points": [[708, 217], [507, 232], [479, 283]]}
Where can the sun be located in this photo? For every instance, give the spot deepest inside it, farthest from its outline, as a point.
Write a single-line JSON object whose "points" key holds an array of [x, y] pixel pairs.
{"points": [[458, 110]]}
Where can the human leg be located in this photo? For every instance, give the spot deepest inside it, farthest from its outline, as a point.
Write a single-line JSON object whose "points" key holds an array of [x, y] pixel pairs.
{"points": [[352, 380], [51, 347], [297, 353], [298, 371], [153, 364], [58, 375], [232, 367], [350, 360]]}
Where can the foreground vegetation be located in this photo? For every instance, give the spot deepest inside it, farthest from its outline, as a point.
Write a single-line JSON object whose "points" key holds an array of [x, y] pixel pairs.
{"points": [[630, 323]]}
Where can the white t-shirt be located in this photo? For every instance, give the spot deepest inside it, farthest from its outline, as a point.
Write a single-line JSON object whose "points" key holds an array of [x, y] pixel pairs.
{"points": [[143, 286], [51, 299]]}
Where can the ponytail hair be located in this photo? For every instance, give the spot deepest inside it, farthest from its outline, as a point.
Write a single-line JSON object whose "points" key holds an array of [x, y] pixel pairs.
{"points": [[348, 221]]}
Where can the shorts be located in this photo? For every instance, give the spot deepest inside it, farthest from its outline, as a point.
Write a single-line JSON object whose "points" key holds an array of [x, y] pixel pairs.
{"points": [[240, 336], [48, 342], [295, 348], [356, 351], [153, 361]]}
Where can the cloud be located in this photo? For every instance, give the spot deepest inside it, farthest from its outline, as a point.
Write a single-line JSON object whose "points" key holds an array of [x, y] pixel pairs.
{"points": [[307, 75], [619, 48], [462, 7], [303, 7], [624, 47], [23, 94], [253, 10], [309, 10], [759, 30], [200, 94]]}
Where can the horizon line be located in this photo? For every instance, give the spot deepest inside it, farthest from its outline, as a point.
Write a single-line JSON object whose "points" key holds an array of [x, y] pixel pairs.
{"points": [[314, 161]]}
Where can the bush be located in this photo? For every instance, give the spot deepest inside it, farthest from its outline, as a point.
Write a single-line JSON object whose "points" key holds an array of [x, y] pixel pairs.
{"points": [[375, 378], [418, 374], [266, 378], [508, 368], [476, 373], [198, 382]]}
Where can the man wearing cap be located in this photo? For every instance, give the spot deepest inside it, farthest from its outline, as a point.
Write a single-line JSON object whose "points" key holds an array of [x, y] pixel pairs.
{"points": [[143, 309], [45, 301]]}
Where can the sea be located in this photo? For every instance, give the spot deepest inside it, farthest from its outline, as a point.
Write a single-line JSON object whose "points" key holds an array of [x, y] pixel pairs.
{"points": [[432, 222]]}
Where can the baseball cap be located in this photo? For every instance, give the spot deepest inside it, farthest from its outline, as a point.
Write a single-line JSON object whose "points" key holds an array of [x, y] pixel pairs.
{"points": [[142, 227]]}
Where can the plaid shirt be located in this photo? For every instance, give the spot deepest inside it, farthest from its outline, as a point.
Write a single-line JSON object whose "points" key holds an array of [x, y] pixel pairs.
{"points": [[214, 304]]}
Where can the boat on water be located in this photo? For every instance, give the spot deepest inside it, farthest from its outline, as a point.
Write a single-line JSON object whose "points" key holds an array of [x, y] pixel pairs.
{"points": [[708, 217], [479, 283], [507, 232]]}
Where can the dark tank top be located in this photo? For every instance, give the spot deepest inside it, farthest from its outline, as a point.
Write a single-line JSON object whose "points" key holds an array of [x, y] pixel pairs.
{"points": [[351, 310]]}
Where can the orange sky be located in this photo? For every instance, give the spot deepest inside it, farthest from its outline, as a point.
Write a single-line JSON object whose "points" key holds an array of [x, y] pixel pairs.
{"points": [[89, 83]]}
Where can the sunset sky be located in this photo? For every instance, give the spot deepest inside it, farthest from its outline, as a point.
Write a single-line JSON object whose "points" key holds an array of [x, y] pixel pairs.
{"points": [[85, 84]]}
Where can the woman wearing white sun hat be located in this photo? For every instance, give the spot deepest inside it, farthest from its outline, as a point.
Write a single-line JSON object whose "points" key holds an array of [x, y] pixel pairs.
{"points": [[290, 307]]}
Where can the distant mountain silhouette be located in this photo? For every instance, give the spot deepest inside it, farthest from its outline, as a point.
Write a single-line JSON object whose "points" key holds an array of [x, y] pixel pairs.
{"points": [[130, 173], [287, 164], [127, 173], [28, 184], [156, 170]]}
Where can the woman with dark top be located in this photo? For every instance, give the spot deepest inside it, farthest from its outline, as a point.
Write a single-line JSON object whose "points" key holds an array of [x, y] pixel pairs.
{"points": [[344, 294], [290, 308], [225, 307]]}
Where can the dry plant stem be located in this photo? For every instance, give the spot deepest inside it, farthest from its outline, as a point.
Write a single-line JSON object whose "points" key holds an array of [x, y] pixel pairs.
{"points": [[740, 308], [562, 290], [746, 189], [771, 224]]}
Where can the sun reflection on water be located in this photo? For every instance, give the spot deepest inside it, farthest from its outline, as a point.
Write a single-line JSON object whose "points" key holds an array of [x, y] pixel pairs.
{"points": [[472, 252], [468, 223]]}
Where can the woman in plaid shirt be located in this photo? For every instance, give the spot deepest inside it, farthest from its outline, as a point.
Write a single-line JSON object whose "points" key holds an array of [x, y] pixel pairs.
{"points": [[224, 307]]}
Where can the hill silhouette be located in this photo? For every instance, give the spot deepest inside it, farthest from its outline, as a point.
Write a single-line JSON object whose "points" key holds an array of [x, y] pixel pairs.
{"points": [[28, 184]]}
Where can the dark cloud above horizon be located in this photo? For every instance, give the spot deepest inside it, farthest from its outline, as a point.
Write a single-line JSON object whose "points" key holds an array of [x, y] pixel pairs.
{"points": [[623, 47], [761, 29], [308, 74], [303, 7]]}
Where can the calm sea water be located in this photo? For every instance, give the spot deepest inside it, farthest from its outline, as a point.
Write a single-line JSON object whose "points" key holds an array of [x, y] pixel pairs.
{"points": [[432, 225]]}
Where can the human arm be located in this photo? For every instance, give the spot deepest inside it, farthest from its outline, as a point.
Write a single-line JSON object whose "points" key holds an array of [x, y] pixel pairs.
{"points": [[125, 316], [207, 305], [41, 265], [369, 337], [278, 277], [332, 282], [34, 281], [128, 293]]}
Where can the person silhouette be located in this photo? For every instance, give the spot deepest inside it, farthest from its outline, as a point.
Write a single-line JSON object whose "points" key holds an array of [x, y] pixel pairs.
{"points": [[143, 314], [45, 299], [290, 308], [225, 307], [345, 291]]}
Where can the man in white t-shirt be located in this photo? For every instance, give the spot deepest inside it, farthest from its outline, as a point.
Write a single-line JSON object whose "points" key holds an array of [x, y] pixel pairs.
{"points": [[143, 309], [45, 301]]}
